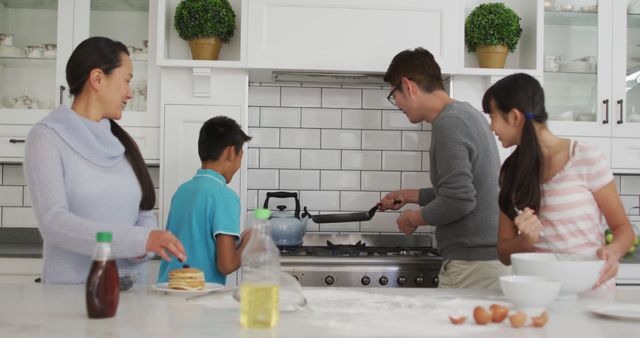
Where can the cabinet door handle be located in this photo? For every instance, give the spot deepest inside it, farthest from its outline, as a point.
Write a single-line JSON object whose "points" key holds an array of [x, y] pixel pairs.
{"points": [[62, 89], [16, 140], [606, 111], [619, 102]]}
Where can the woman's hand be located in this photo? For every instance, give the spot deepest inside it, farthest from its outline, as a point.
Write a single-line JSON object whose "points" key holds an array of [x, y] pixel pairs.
{"points": [[159, 241], [610, 268], [528, 225]]}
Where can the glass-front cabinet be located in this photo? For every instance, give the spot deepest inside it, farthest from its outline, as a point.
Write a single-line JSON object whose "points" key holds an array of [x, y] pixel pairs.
{"points": [[591, 74]]}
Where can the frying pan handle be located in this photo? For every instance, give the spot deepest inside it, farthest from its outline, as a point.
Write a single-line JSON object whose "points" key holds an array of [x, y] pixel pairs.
{"points": [[283, 194]]}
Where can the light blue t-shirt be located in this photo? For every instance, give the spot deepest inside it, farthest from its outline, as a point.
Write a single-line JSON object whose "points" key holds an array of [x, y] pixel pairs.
{"points": [[202, 208]]}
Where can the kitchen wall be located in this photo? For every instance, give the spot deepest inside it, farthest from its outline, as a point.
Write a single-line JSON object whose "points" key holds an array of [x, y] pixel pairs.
{"points": [[15, 199], [342, 148]]}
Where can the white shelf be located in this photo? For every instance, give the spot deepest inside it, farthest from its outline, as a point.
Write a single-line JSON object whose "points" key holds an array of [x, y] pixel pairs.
{"points": [[498, 71], [200, 63], [571, 18], [27, 62]]}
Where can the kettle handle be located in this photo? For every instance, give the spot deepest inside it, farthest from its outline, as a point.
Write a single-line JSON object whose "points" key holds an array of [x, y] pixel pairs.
{"points": [[284, 194]]}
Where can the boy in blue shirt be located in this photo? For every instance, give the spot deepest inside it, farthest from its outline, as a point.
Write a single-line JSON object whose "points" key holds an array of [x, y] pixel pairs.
{"points": [[205, 213]]}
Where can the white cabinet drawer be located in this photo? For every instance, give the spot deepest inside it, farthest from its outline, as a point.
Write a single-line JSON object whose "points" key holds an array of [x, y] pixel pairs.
{"points": [[350, 35], [625, 154], [148, 140], [12, 142]]}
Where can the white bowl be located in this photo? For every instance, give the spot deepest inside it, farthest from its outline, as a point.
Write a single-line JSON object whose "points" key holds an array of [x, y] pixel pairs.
{"points": [[530, 291], [576, 272]]}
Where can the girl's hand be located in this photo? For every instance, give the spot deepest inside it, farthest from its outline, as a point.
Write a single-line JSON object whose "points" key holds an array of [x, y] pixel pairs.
{"points": [[610, 268], [528, 225]]}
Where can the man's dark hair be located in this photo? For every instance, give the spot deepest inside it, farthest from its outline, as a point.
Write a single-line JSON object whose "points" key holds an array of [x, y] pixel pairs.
{"points": [[417, 65], [217, 134]]}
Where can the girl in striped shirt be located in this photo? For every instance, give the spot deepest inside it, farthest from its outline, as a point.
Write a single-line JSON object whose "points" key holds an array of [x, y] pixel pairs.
{"points": [[556, 184]]}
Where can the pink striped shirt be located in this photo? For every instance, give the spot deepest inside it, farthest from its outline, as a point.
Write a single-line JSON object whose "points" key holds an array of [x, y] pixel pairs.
{"points": [[569, 213]]}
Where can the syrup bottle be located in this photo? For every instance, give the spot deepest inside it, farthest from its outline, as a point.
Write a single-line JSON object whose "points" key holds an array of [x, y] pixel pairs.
{"points": [[103, 288]]}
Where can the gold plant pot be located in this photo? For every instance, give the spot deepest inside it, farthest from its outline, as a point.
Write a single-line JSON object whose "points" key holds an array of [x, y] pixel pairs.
{"points": [[492, 56], [205, 49]]}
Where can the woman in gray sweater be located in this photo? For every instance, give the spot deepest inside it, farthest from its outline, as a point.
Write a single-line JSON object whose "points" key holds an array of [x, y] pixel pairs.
{"points": [[86, 174]]}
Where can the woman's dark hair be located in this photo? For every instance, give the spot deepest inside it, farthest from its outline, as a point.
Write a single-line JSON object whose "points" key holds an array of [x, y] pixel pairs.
{"points": [[418, 65], [218, 133], [521, 172], [106, 54]]}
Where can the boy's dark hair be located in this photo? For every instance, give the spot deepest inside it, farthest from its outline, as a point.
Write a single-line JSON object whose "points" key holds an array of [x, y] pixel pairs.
{"points": [[217, 134], [418, 65], [521, 172]]}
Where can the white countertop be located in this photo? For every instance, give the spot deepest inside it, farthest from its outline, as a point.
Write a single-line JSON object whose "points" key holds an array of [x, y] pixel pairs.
{"points": [[33, 310]]}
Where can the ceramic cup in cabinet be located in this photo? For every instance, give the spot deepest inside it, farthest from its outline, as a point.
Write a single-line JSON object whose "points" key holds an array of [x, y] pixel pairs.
{"points": [[49, 49], [34, 51], [6, 39]]}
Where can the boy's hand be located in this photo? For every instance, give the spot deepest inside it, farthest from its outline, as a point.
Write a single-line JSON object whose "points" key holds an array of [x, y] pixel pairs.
{"points": [[244, 238], [159, 241]]}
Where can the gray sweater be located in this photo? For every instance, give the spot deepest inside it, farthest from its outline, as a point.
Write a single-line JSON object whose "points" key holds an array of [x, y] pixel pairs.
{"points": [[463, 203], [81, 183]]}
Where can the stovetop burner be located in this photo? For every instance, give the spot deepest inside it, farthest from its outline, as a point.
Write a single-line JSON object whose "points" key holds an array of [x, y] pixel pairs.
{"points": [[359, 249]]}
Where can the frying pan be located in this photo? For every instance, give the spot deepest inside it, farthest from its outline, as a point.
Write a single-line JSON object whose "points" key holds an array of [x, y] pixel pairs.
{"points": [[347, 217]]}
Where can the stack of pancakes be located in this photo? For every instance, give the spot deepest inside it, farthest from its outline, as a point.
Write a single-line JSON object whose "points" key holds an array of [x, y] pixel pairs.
{"points": [[186, 279]]}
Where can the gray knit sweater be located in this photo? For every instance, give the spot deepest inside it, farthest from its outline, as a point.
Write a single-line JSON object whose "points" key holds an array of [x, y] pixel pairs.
{"points": [[80, 184], [463, 203]]}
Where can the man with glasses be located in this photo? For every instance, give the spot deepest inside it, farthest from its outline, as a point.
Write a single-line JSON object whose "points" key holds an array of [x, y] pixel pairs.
{"points": [[464, 162]]}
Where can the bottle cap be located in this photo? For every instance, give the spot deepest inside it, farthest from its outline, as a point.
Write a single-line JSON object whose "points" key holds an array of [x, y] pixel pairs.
{"points": [[103, 237], [262, 214]]}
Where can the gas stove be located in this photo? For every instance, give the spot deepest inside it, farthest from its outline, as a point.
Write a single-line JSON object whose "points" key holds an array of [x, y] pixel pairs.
{"points": [[363, 260]]}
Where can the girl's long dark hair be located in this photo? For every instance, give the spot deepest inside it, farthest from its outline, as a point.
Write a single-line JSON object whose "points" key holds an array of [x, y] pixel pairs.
{"points": [[521, 172], [106, 54]]}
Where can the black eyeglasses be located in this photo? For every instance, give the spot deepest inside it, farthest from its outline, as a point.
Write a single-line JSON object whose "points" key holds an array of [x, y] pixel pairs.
{"points": [[390, 97]]}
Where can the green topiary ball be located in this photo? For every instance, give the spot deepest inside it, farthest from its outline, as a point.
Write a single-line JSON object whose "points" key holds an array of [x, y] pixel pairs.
{"points": [[205, 19], [492, 24]]}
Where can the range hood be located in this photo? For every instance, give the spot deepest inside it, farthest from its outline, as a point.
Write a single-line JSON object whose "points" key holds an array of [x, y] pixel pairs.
{"points": [[327, 77]]}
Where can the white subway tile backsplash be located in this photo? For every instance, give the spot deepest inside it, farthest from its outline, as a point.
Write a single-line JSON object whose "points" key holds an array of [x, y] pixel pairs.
{"points": [[341, 139], [361, 160], [396, 119], [13, 175], [320, 159], [416, 140], [299, 138], [340, 180], [253, 117], [13, 217], [381, 222], [11, 196], [300, 179], [401, 160], [279, 117], [630, 185], [262, 179], [27, 197], [321, 118], [252, 199], [320, 200], [264, 137], [415, 180], [381, 140], [426, 164], [253, 158], [470, 89], [361, 119], [339, 227], [289, 202], [380, 180], [358, 200], [301, 97], [280, 158], [376, 99], [341, 98], [264, 96]]}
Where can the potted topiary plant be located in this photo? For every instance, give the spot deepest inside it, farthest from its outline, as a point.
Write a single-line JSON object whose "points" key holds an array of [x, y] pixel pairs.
{"points": [[492, 30], [206, 24]]}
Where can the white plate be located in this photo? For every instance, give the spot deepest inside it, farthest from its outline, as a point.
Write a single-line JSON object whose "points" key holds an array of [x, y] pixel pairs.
{"points": [[617, 310], [208, 287]]}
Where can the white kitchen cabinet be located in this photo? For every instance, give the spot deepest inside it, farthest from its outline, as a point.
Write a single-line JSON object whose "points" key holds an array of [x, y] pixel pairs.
{"points": [[20, 270], [31, 85], [350, 35], [593, 91]]}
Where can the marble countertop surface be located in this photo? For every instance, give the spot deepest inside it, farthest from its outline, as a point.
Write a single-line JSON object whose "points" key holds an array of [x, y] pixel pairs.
{"points": [[32, 310]]}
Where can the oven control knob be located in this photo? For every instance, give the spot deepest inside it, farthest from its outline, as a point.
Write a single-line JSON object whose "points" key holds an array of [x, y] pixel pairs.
{"points": [[436, 280], [365, 280], [329, 280], [419, 280], [402, 281], [383, 280]]}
